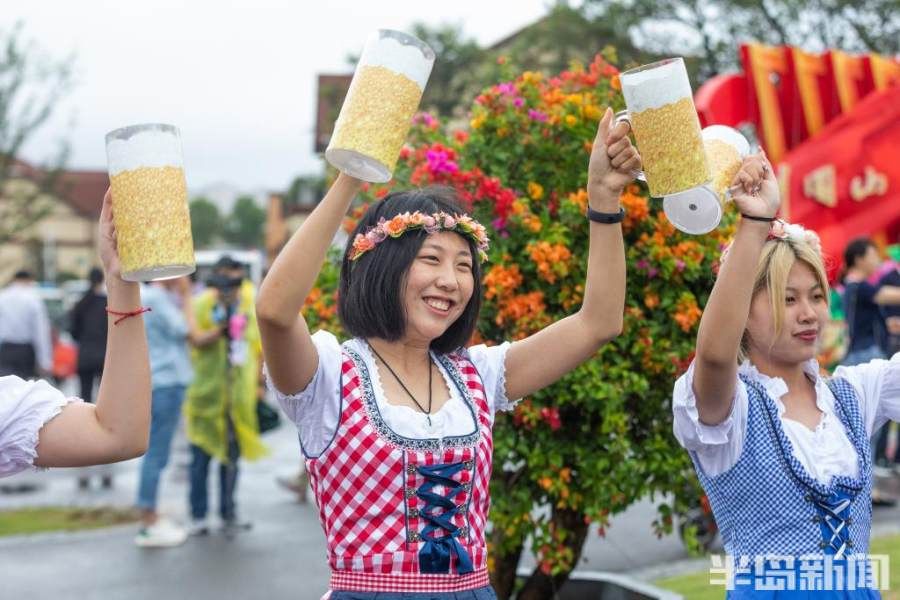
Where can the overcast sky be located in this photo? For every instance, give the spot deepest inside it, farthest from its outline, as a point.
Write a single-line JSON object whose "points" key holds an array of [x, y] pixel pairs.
{"points": [[237, 77]]}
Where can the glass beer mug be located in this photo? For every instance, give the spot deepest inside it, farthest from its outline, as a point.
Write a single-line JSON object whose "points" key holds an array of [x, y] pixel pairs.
{"points": [[378, 110], [699, 210], [150, 202], [660, 110]]}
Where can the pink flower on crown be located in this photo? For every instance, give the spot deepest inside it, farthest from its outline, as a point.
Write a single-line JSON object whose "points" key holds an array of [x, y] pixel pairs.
{"points": [[448, 222], [416, 219], [376, 235]]}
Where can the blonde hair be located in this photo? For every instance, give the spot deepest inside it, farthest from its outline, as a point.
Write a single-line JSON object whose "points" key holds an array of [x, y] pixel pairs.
{"points": [[775, 262]]}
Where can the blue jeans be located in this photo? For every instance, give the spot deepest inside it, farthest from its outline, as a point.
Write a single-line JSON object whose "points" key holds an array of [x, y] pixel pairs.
{"points": [[165, 410], [485, 593], [228, 476]]}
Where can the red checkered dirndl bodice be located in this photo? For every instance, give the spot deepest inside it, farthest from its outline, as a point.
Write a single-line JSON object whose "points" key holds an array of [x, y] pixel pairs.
{"points": [[404, 514]]}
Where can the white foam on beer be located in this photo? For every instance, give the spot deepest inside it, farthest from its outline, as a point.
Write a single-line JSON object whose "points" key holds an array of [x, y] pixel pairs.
{"points": [[401, 58], [656, 87], [150, 148]]}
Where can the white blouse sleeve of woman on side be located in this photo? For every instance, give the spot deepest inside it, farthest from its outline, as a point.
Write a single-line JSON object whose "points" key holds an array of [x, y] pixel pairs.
{"points": [[491, 364], [717, 446], [25, 406], [316, 410], [877, 383]]}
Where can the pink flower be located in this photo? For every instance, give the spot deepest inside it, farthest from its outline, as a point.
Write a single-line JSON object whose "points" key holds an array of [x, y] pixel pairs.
{"points": [[518, 102], [378, 234], [679, 264], [439, 162], [537, 115], [449, 222], [507, 88]]}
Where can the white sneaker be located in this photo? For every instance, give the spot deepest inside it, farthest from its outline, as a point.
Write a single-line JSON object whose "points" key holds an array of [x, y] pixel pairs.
{"points": [[199, 527], [162, 534]]}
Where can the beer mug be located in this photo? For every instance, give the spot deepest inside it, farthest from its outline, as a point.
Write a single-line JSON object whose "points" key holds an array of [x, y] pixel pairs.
{"points": [[699, 210], [150, 202], [660, 110], [378, 110]]}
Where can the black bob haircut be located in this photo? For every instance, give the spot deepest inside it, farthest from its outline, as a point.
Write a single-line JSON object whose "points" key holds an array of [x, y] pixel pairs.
{"points": [[370, 297], [855, 250]]}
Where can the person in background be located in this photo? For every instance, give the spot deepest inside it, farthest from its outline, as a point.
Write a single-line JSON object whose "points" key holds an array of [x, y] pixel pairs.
{"points": [[220, 410], [26, 350], [168, 332], [864, 302], [87, 324]]}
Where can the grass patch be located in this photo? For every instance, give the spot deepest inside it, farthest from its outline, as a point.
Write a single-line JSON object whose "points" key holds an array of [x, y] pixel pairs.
{"points": [[56, 518], [696, 586]]}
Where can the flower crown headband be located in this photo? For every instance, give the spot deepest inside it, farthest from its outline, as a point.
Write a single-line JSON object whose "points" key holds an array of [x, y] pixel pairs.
{"points": [[433, 223], [789, 232]]}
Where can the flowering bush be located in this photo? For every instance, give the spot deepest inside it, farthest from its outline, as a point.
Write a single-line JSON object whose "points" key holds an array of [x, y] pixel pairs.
{"points": [[601, 438]]}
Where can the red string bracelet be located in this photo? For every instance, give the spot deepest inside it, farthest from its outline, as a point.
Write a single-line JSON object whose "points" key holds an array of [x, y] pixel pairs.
{"points": [[124, 315]]}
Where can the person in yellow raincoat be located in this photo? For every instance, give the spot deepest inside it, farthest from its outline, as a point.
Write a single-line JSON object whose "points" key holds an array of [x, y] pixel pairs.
{"points": [[220, 409]]}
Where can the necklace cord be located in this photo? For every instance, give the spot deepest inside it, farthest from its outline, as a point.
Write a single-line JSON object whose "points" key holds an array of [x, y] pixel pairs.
{"points": [[405, 389]]}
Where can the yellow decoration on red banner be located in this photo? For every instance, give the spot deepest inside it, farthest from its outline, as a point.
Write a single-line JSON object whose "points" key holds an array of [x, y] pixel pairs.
{"points": [[821, 185], [808, 68], [849, 72], [885, 71], [766, 61], [872, 184]]}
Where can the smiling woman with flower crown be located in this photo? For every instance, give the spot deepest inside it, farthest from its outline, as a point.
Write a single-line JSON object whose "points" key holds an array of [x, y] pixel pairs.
{"points": [[782, 452], [395, 423]]}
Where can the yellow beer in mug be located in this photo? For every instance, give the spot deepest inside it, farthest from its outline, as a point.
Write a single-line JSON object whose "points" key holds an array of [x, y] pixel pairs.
{"points": [[150, 202], [666, 127], [377, 113], [700, 209]]}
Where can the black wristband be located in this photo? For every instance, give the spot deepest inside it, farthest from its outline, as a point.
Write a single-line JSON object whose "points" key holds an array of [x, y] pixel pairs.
{"points": [[755, 218], [603, 217]]}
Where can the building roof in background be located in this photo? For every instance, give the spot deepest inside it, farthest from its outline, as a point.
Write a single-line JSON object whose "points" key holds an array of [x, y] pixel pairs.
{"points": [[80, 190], [83, 191]]}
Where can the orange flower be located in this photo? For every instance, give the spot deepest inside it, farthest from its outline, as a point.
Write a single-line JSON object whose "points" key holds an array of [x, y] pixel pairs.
{"points": [[651, 300], [533, 223], [500, 281], [687, 313], [551, 260], [395, 226], [524, 314], [592, 112], [580, 198], [615, 83], [636, 208], [535, 190]]}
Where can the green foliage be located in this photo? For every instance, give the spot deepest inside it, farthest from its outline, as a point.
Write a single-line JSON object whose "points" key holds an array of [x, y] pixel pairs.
{"points": [[244, 226], [31, 85], [711, 31], [206, 223]]}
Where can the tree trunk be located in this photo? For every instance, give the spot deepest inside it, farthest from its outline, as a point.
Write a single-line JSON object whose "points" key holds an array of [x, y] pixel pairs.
{"points": [[503, 576], [541, 586]]}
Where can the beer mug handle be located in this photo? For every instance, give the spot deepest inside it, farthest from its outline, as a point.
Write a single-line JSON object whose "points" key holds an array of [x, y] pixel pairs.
{"points": [[623, 117]]}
